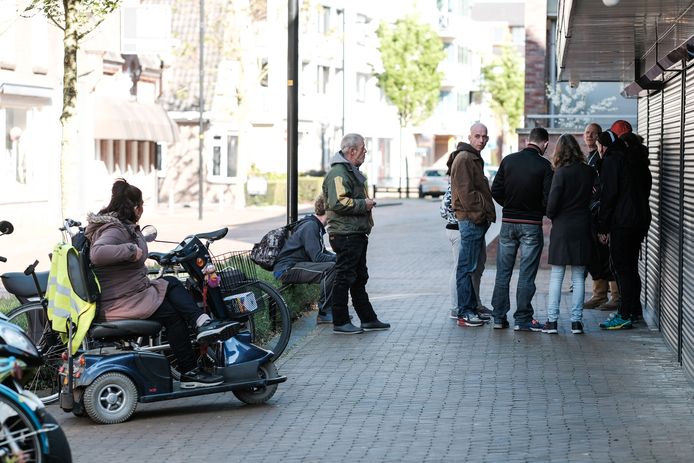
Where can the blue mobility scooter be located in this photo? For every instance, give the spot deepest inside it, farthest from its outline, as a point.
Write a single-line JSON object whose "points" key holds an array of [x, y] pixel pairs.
{"points": [[124, 362]]}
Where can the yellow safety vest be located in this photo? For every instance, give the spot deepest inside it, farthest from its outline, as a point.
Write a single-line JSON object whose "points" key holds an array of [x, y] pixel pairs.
{"points": [[68, 298]]}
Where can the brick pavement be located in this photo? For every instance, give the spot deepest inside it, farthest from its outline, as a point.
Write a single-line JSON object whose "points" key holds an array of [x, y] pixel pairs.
{"points": [[427, 390]]}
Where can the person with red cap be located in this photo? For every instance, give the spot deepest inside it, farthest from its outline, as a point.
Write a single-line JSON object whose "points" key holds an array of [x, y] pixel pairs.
{"points": [[620, 127]]}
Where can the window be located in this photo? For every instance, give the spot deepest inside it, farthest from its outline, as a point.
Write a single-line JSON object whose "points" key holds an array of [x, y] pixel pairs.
{"points": [[463, 101], [463, 55], [263, 72], [362, 81], [324, 20], [323, 79], [224, 157]]}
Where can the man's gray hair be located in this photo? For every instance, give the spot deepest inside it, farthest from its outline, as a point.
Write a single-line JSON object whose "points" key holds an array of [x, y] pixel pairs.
{"points": [[351, 140]]}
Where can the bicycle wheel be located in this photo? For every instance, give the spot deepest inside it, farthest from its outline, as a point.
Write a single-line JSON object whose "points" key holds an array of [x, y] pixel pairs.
{"points": [[270, 325], [44, 381], [19, 439]]}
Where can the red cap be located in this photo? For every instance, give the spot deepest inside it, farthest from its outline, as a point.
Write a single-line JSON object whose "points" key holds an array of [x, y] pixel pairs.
{"points": [[621, 127]]}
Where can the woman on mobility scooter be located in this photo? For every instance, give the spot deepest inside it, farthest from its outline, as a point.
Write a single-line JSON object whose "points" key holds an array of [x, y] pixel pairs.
{"points": [[118, 254]]}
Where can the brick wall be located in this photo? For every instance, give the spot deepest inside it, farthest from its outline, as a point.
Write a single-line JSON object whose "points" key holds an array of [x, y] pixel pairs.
{"points": [[535, 56]]}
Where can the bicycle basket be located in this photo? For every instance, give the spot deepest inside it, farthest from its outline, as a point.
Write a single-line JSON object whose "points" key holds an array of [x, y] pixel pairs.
{"points": [[234, 269]]}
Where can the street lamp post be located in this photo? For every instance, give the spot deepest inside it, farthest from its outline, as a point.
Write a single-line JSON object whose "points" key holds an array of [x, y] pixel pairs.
{"points": [[292, 110]]}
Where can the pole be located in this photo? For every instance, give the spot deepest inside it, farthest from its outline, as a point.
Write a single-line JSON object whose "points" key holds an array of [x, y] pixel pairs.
{"points": [[292, 110], [201, 105], [400, 167]]}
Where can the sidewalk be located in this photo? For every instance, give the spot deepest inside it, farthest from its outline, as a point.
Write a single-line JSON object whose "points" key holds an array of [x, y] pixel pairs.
{"points": [[427, 390]]}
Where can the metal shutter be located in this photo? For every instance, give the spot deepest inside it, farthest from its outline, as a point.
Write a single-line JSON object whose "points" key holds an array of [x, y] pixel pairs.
{"points": [[645, 269], [687, 302], [670, 189], [652, 281]]}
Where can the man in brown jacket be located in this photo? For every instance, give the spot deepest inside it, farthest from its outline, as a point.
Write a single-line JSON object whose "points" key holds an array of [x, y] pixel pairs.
{"points": [[474, 208]]}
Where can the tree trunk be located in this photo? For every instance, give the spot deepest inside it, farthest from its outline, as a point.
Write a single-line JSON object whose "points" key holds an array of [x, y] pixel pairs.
{"points": [[69, 152]]}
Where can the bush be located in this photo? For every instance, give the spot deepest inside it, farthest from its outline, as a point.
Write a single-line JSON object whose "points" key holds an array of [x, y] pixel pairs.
{"points": [[309, 188], [299, 298]]}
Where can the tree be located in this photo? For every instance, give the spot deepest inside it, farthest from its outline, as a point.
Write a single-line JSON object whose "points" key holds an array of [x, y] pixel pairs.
{"points": [[411, 52], [76, 18], [574, 102], [503, 80]]}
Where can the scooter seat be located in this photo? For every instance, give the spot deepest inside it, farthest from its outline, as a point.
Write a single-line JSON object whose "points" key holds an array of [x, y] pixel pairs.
{"points": [[213, 235], [123, 329], [22, 285]]}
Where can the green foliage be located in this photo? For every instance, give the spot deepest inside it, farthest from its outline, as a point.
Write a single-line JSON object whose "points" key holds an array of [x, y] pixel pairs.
{"points": [[411, 53], [299, 298], [86, 14], [503, 79], [309, 188], [7, 304]]}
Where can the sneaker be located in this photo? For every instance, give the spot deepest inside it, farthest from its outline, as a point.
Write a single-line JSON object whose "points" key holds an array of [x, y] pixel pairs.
{"points": [[324, 318], [500, 324], [636, 319], [594, 302], [470, 319], [216, 330], [550, 327], [577, 327], [375, 325], [532, 325], [616, 322], [347, 328], [198, 378], [483, 310], [453, 314], [485, 317]]}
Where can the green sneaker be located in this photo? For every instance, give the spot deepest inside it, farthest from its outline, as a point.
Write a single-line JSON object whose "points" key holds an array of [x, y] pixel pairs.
{"points": [[616, 322]]}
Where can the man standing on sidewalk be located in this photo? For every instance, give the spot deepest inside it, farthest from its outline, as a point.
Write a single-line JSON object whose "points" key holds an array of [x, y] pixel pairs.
{"points": [[472, 202], [349, 224], [521, 187]]}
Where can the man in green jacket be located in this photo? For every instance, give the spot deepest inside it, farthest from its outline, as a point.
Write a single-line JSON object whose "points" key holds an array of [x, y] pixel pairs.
{"points": [[349, 224]]}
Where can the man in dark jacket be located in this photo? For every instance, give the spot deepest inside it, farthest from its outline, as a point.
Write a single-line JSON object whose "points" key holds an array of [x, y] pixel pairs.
{"points": [[349, 224], [624, 218], [521, 187], [474, 210], [304, 259]]}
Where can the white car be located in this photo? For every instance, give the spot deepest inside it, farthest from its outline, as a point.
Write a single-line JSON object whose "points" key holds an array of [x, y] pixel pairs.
{"points": [[433, 182]]}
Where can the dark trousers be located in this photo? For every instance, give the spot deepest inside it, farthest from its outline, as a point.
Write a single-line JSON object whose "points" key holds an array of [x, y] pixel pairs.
{"points": [[351, 275], [624, 258], [314, 272], [177, 312]]}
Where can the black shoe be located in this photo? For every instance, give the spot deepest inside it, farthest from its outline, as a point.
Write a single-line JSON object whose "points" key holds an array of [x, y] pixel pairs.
{"points": [[198, 378], [216, 330], [577, 327], [347, 328], [551, 327], [375, 325]]}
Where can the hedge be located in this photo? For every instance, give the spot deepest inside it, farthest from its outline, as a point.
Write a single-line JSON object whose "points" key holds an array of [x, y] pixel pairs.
{"points": [[309, 188]]}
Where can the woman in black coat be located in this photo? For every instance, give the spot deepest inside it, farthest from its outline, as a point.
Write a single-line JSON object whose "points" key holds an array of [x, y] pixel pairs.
{"points": [[570, 241]]}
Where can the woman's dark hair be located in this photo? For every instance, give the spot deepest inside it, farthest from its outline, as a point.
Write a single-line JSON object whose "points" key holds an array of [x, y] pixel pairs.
{"points": [[124, 199], [567, 151], [451, 157]]}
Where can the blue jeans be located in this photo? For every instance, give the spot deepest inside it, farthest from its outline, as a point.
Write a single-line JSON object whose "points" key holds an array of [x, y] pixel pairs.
{"points": [[471, 236], [529, 239], [556, 279]]}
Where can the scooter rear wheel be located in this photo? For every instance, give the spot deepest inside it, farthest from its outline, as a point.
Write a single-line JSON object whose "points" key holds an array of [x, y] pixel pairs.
{"points": [[259, 395], [110, 399]]}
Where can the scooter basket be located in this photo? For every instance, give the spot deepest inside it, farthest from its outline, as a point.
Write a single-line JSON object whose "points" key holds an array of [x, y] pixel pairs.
{"points": [[240, 304], [235, 269]]}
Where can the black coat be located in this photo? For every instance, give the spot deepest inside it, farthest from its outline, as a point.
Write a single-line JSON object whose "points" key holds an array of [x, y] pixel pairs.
{"points": [[568, 205]]}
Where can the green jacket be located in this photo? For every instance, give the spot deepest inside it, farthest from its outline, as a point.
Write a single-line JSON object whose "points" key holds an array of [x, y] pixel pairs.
{"points": [[345, 190]]}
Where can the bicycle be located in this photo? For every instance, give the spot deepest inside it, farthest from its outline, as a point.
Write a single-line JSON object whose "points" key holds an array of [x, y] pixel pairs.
{"points": [[29, 287]]}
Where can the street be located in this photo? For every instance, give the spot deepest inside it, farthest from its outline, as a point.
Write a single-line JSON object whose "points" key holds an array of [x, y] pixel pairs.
{"points": [[427, 390]]}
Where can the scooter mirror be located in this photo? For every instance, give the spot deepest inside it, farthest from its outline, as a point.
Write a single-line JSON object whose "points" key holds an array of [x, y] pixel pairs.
{"points": [[149, 232]]}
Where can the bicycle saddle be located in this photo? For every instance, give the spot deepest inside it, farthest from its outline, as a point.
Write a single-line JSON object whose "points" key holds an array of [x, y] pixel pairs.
{"points": [[213, 235], [120, 329], [22, 285]]}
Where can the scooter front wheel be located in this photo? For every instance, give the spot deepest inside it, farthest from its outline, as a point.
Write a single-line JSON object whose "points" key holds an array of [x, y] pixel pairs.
{"points": [[259, 395], [110, 399]]}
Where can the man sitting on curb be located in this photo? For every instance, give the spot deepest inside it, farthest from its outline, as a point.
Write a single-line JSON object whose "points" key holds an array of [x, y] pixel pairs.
{"points": [[304, 259]]}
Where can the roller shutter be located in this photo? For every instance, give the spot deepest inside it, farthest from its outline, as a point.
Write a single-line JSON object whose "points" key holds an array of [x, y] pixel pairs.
{"points": [[652, 247], [646, 266], [687, 303], [670, 189]]}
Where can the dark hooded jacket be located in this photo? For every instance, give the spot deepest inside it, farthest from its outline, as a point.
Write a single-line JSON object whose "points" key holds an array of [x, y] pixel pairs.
{"points": [[470, 195]]}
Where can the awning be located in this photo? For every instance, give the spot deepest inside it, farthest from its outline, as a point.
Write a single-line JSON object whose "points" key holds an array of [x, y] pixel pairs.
{"points": [[130, 120]]}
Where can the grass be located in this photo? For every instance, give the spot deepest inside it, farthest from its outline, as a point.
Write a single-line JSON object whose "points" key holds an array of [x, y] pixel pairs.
{"points": [[7, 304]]}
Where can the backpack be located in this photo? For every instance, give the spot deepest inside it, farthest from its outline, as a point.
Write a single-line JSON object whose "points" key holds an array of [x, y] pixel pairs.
{"points": [[72, 292], [265, 252], [83, 247]]}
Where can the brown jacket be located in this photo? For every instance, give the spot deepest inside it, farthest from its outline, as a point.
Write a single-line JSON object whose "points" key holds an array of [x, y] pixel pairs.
{"points": [[471, 197], [126, 291]]}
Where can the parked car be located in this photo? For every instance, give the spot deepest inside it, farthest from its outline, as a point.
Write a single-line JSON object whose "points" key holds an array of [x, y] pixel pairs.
{"points": [[433, 182]]}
